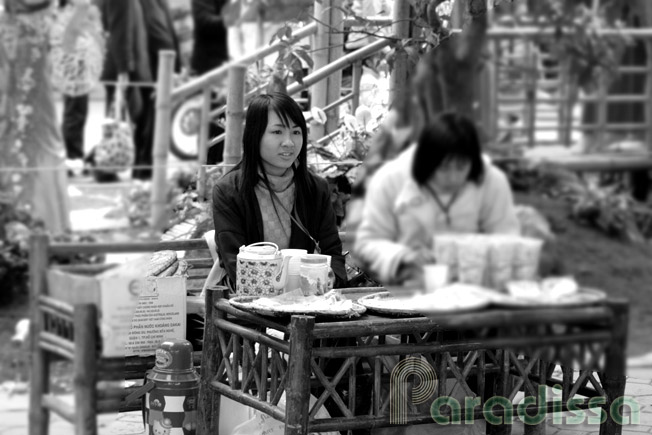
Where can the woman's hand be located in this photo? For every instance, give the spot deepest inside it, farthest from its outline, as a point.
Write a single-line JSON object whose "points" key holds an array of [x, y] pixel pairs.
{"points": [[410, 268]]}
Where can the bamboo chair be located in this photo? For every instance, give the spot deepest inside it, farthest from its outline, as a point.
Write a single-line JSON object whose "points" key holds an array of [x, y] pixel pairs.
{"points": [[60, 330]]}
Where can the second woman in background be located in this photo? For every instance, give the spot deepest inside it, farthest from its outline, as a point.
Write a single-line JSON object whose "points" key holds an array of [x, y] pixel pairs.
{"points": [[440, 184], [271, 195]]}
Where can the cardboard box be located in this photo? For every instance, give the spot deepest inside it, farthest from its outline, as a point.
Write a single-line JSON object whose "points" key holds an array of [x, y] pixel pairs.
{"points": [[117, 292]]}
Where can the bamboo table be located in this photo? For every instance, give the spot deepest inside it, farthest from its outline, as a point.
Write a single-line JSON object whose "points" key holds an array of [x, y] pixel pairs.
{"points": [[351, 366]]}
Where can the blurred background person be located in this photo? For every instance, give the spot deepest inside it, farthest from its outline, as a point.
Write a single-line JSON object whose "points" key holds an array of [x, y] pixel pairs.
{"points": [[400, 127], [134, 41], [440, 184], [210, 45], [210, 50], [32, 161], [76, 95]]}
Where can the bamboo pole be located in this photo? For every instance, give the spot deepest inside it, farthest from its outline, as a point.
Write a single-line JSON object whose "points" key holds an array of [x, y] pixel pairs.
{"points": [[297, 392], [198, 84], [648, 91], [39, 416], [401, 30], [486, 94], [601, 110], [209, 400], [615, 365], [162, 139], [320, 46], [85, 369], [234, 115], [340, 63], [531, 93], [59, 407], [111, 247], [202, 141], [335, 51], [356, 78]]}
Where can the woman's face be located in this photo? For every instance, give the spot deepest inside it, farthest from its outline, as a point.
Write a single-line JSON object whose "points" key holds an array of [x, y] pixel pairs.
{"points": [[451, 175], [280, 145]]}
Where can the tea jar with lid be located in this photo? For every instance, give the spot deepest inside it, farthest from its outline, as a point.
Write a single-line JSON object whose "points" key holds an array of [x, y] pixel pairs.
{"points": [[313, 273]]}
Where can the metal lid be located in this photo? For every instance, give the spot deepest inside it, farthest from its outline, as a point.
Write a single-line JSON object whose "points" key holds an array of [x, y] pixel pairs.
{"points": [[314, 259], [174, 355]]}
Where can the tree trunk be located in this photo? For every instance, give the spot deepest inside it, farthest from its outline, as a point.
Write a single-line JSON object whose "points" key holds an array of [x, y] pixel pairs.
{"points": [[456, 62]]}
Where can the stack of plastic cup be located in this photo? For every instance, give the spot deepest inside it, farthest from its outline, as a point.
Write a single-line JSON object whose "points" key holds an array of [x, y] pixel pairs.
{"points": [[445, 250], [293, 279], [526, 259], [472, 258], [501, 259]]}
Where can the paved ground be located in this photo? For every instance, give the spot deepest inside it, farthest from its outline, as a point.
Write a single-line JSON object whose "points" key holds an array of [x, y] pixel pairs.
{"points": [[13, 415]]}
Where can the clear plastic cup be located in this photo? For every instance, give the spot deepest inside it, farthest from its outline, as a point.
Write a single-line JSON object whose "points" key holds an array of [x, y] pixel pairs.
{"points": [[435, 276], [445, 251], [472, 259], [526, 258], [501, 260], [293, 280]]}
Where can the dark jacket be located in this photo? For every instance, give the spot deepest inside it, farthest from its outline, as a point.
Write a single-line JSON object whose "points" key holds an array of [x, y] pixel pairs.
{"points": [[161, 34], [238, 221], [127, 40], [210, 48]]}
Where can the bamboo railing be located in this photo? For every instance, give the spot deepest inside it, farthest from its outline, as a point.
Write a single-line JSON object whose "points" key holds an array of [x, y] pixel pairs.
{"points": [[565, 93], [325, 89]]}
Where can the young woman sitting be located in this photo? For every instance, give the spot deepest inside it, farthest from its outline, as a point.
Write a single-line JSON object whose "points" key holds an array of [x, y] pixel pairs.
{"points": [[271, 195]]}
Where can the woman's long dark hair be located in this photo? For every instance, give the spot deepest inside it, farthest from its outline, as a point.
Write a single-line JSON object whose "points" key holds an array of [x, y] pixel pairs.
{"points": [[448, 136], [255, 124]]}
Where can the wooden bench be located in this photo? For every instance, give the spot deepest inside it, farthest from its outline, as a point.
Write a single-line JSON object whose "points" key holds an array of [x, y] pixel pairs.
{"points": [[61, 330]]}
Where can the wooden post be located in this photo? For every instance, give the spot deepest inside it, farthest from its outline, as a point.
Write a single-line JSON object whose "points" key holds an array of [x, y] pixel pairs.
{"points": [[162, 139], [487, 92], [615, 366], [85, 369], [234, 115], [335, 51], [209, 399], [297, 391], [601, 132], [39, 417], [531, 93], [319, 91], [564, 87], [648, 89], [356, 77], [401, 30], [202, 141]]}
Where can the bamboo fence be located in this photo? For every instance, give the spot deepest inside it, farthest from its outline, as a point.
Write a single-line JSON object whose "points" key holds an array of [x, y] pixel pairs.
{"points": [[325, 87]]}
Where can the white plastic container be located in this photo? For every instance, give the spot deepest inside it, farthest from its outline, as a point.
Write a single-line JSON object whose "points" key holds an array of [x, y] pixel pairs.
{"points": [[314, 274]]}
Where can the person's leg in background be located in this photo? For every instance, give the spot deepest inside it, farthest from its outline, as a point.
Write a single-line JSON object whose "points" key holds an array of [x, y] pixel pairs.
{"points": [[75, 113], [215, 152], [143, 132]]}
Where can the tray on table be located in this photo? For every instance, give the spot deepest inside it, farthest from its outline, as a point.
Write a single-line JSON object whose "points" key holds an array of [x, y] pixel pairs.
{"points": [[387, 303], [249, 303], [583, 297]]}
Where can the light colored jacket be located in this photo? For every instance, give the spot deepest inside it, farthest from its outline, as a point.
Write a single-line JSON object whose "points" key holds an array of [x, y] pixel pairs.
{"points": [[399, 216]]}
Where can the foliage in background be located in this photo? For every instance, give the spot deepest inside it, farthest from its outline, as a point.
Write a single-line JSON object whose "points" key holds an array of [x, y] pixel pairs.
{"points": [[592, 58], [603, 204], [17, 224]]}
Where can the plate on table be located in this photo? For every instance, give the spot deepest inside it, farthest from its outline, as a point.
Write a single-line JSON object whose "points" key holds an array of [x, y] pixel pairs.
{"points": [[455, 298], [318, 306], [583, 297]]}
